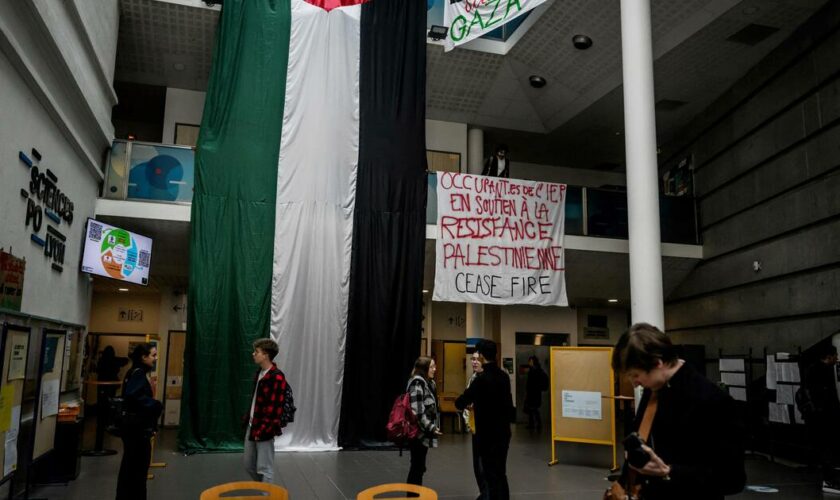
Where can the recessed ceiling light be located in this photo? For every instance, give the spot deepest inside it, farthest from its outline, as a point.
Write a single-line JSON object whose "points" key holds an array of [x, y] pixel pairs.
{"points": [[537, 81], [179, 66], [122, 289], [612, 301], [425, 291], [581, 42]]}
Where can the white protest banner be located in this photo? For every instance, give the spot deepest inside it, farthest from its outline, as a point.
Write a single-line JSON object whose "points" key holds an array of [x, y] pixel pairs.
{"points": [[500, 241], [470, 19]]}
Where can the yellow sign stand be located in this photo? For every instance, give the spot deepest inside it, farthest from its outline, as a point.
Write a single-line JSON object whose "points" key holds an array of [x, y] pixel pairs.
{"points": [[582, 371]]}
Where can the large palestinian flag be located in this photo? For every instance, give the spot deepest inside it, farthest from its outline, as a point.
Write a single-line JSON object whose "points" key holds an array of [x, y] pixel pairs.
{"points": [[308, 217]]}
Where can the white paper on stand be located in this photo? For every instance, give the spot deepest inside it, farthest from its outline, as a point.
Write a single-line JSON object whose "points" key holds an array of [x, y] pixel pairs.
{"points": [[731, 365], [737, 379], [738, 393], [787, 372], [784, 394], [582, 404], [779, 413], [771, 372], [10, 457], [49, 398]]}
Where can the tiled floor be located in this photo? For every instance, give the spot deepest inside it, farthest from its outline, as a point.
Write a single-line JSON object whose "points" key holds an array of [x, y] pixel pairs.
{"points": [[340, 475]]}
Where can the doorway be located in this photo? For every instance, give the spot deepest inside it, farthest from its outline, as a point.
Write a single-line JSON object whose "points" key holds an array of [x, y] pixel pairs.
{"points": [[539, 345]]}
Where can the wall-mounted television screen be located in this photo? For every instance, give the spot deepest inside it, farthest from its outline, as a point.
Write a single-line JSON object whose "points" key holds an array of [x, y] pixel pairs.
{"points": [[116, 253]]}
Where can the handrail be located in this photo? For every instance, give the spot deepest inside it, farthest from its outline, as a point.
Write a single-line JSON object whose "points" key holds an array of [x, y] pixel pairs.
{"points": [[165, 173]]}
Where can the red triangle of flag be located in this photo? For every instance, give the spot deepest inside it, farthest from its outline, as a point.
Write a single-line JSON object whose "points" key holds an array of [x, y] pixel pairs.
{"points": [[329, 5]]}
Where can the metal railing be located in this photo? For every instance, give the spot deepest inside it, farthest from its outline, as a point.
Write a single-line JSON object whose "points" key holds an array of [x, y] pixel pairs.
{"points": [[603, 213], [166, 173]]}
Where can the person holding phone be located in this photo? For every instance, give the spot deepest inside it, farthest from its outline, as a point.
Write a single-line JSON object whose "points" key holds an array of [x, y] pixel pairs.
{"points": [[694, 447]]}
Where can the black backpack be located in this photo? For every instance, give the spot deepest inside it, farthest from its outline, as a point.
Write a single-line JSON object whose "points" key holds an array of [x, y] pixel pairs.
{"points": [[120, 419], [289, 409]]}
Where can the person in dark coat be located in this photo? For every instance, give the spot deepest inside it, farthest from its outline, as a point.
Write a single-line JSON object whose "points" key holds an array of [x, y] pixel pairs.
{"points": [[498, 165], [490, 396], [536, 383], [823, 419], [695, 444], [137, 431], [424, 404]]}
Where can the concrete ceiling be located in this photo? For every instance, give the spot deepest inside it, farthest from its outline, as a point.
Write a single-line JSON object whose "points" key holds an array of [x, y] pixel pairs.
{"points": [[575, 121]]}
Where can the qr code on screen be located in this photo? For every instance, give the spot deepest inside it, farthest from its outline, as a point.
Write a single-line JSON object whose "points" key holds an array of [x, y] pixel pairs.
{"points": [[94, 232], [144, 258]]}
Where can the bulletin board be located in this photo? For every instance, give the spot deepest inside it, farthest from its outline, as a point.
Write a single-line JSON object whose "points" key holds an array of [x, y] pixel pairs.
{"points": [[14, 342], [49, 390], [582, 397]]}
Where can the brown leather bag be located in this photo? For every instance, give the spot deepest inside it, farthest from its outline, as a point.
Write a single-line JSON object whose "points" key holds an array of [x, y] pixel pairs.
{"points": [[626, 487]]}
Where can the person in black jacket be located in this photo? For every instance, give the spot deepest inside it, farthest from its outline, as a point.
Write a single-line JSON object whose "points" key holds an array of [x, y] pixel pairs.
{"points": [[695, 445], [536, 383], [137, 431], [490, 396], [823, 421], [498, 165]]}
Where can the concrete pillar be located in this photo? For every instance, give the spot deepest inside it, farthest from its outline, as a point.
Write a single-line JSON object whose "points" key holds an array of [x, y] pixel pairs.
{"points": [[475, 151], [646, 300], [475, 164]]}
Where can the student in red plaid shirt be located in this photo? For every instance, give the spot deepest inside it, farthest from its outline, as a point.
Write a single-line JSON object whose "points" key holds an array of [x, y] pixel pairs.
{"points": [[264, 416]]}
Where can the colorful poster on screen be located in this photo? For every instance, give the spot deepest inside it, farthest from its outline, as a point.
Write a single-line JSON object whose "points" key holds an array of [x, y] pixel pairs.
{"points": [[116, 253], [500, 241]]}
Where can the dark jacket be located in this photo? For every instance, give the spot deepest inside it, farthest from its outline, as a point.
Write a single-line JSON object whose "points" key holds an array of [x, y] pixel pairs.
{"points": [[697, 431], [822, 390], [138, 399], [268, 406], [491, 167], [108, 368], [490, 396], [536, 383]]}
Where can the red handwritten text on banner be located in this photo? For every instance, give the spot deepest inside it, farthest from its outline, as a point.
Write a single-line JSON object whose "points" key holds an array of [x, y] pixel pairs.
{"points": [[500, 241]]}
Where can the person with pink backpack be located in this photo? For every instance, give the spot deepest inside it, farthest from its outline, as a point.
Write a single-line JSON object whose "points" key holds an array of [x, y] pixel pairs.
{"points": [[424, 405]]}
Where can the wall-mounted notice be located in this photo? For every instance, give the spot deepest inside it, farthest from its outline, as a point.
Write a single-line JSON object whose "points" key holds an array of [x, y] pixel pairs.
{"points": [[10, 448], [500, 241], [738, 393], [736, 379], [17, 359], [582, 404], [731, 365], [779, 413], [49, 398]]}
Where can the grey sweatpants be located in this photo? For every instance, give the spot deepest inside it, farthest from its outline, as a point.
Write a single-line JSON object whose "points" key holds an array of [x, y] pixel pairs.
{"points": [[259, 459]]}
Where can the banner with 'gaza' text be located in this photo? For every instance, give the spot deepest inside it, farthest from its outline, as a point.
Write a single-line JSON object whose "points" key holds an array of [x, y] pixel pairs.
{"points": [[470, 19], [500, 241]]}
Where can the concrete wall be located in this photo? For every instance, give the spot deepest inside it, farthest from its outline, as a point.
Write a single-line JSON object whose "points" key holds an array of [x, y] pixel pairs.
{"points": [[25, 124], [617, 323], [63, 50], [56, 70], [447, 136], [767, 158], [182, 106]]}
